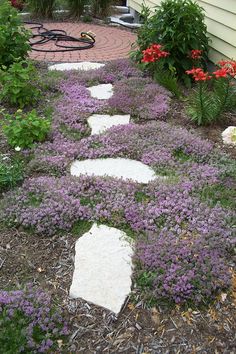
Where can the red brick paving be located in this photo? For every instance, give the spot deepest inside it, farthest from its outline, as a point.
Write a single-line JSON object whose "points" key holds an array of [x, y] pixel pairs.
{"points": [[111, 43]]}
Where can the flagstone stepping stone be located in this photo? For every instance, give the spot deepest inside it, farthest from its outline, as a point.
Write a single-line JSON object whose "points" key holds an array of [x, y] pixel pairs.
{"points": [[101, 122], [229, 136], [85, 66], [114, 167], [103, 267], [101, 92]]}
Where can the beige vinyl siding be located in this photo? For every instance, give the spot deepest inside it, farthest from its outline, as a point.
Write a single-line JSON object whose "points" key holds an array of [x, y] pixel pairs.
{"points": [[220, 21]]}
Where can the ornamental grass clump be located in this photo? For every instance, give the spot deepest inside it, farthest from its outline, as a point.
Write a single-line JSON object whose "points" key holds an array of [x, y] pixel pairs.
{"points": [[42, 8], [215, 93], [29, 322]]}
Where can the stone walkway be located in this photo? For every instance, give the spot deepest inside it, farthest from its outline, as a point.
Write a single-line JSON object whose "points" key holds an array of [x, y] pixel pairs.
{"points": [[111, 43]]}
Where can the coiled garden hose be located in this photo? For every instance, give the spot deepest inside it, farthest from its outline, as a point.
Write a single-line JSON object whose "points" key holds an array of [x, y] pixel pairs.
{"points": [[86, 40]]}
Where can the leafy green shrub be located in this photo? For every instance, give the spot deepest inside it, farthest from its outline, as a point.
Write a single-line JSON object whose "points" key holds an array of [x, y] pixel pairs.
{"points": [[76, 7], [208, 102], [19, 84], [42, 8], [179, 26], [13, 35], [101, 8], [22, 130], [10, 172]]}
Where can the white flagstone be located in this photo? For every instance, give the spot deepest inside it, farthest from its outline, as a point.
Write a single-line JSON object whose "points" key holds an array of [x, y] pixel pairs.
{"points": [[101, 122], [114, 167], [85, 66], [102, 91], [103, 267]]}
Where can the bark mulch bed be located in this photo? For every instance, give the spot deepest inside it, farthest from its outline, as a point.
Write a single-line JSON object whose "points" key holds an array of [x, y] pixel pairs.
{"points": [[48, 262]]}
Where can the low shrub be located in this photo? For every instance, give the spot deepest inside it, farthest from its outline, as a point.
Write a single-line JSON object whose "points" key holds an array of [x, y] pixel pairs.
{"points": [[23, 129], [208, 102], [179, 26], [42, 8], [19, 84], [13, 35], [29, 322]]}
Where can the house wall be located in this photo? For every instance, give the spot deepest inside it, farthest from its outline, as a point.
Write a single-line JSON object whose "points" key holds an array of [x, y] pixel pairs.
{"points": [[221, 24]]}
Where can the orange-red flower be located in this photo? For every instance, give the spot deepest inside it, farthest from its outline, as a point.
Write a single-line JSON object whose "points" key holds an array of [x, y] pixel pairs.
{"points": [[196, 54], [229, 66], [223, 72], [199, 74], [154, 53]]}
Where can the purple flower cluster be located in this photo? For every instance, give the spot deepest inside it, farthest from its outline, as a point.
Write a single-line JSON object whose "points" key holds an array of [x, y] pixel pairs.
{"points": [[110, 73], [141, 98], [182, 243], [40, 325], [183, 268]]}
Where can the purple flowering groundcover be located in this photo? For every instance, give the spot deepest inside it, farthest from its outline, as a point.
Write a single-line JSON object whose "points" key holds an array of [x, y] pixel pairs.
{"points": [[182, 242]]}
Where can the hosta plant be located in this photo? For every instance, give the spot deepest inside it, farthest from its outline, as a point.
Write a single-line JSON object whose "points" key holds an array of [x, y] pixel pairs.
{"points": [[22, 130]]}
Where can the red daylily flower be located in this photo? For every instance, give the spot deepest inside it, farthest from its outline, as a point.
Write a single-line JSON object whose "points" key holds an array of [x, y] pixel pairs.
{"points": [[154, 53], [196, 54], [199, 74]]}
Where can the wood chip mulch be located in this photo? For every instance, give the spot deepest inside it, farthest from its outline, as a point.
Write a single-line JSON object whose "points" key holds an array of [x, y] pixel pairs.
{"points": [[48, 262]]}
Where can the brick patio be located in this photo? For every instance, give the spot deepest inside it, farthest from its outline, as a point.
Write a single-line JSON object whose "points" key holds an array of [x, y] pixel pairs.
{"points": [[111, 43]]}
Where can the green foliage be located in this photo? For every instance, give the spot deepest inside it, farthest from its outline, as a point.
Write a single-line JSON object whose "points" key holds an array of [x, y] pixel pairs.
{"points": [[41, 8], [219, 193], [80, 227], [101, 8], [167, 78], [19, 84], [13, 35], [206, 104], [11, 172], [77, 7], [179, 26], [24, 129]]}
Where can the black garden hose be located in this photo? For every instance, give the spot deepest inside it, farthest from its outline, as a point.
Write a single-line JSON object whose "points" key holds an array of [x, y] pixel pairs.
{"points": [[87, 40]]}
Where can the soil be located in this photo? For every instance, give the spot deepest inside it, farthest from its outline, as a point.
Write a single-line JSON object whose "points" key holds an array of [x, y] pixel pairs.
{"points": [[48, 262]]}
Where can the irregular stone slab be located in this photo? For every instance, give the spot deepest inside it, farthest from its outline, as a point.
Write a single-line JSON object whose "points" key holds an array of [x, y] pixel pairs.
{"points": [[101, 122], [85, 66], [229, 136], [103, 267], [101, 92], [114, 167]]}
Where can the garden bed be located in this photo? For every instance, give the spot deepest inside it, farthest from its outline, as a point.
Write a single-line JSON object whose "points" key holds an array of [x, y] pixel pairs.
{"points": [[47, 261], [176, 211]]}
